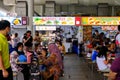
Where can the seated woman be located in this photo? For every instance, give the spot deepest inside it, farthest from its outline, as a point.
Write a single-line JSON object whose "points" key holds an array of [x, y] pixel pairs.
{"points": [[53, 63], [102, 60]]}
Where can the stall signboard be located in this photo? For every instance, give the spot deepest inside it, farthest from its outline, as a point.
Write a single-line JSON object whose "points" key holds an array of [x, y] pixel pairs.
{"points": [[46, 28], [16, 20], [100, 21], [53, 21]]}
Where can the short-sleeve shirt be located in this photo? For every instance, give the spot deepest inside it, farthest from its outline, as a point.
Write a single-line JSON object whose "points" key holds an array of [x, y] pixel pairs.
{"points": [[117, 43], [29, 42], [118, 39], [115, 67], [4, 51], [100, 63], [94, 55], [98, 38]]}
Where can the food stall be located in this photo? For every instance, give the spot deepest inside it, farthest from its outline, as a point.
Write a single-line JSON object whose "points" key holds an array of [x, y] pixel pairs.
{"points": [[63, 25], [107, 25]]}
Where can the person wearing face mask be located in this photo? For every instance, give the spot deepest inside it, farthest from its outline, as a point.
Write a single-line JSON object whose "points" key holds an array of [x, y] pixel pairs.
{"points": [[22, 58], [5, 67]]}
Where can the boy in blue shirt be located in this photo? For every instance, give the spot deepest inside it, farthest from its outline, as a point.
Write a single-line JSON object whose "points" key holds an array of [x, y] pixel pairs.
{"points": [[95, 53]]}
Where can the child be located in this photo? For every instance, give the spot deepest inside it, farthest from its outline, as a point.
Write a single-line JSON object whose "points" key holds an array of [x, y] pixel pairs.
{"points": [[102, 59], [95, 53]]}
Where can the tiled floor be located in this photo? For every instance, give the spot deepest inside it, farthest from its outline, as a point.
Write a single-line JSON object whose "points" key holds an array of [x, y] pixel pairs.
{"points": [[75, 68]]}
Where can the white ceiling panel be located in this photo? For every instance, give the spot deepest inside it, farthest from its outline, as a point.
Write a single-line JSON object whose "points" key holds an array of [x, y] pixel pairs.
{"points": [[82, 2]]}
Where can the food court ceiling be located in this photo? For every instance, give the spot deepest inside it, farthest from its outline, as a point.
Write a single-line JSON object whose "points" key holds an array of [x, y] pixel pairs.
{"points": [[81, 2]]}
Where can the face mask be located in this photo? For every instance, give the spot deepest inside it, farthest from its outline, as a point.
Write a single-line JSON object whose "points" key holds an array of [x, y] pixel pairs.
{"points": [[19, 50]]}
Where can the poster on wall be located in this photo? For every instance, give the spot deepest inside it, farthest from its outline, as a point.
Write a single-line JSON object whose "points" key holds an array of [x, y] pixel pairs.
{"points": [[53, 20], [87, 33], [100, 20]]}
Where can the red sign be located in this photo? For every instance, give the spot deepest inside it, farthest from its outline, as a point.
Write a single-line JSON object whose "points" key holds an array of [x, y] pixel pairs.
{"points": [[77, 21]]}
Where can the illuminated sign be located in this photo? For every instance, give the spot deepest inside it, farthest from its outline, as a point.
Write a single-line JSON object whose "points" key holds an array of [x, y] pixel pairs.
{"points": [[15, 20], [53, 20], [100, 21]]}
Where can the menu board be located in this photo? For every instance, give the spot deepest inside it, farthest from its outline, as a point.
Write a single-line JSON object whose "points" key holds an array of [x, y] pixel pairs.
{"points": [[53, 20], [15, 20], [100, 20], [48, 28]]}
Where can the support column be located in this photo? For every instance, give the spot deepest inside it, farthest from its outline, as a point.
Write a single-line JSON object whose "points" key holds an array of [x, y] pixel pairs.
{"points": [[113, 11], [30, 15]]}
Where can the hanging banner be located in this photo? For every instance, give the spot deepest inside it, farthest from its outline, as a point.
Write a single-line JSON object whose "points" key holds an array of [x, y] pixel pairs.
{"points": [[100, 21], [53, 21]]}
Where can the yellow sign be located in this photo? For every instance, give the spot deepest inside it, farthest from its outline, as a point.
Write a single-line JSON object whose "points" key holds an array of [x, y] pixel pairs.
{"points": [[100, 20]]}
